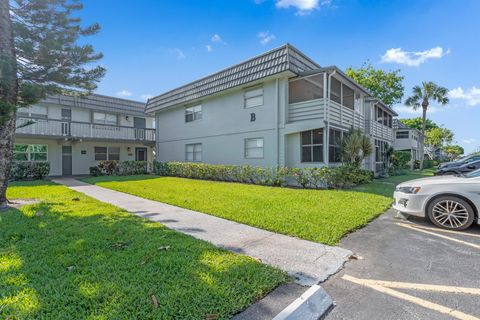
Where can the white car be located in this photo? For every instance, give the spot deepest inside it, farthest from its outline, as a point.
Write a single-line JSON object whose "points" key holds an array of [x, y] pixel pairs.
{"points": [[450, 202]]}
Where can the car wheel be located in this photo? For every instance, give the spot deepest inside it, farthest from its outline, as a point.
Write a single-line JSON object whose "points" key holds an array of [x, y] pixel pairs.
{"points": [[451, 213]]}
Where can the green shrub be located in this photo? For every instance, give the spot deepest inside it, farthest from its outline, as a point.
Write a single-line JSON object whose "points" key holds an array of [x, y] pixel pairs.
{"points": [[95, 171], [401, 159], [22, 170], [39, 170], [127, 168], [108, 167], [19, 171], [345, 176]]}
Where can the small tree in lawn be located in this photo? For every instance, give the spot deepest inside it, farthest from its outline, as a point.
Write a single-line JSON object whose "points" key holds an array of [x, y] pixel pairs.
{"points": [[421, 98], [453, 151], [39, 56], [355, 148]]}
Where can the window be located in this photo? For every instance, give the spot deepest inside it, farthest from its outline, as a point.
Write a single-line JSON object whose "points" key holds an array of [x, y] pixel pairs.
{"points": [[193, 113], [348, 97], [402, 135], [312, 145], [100, 153], [104, 118], [305, 89], [30, 152], [381, 151], [254, 97], [107, 153], [38, 112], [336, 91], [114, 153], [193, 152], [334, 145], [254, 148]]}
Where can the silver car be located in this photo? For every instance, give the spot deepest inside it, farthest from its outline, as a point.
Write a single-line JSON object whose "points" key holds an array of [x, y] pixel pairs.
{"points": [[450, 202]]}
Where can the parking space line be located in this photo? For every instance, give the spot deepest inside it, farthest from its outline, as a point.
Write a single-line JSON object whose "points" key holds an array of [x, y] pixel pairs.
{"points": [[422, 287], [446, 231], [421, 302], [412, 227]]}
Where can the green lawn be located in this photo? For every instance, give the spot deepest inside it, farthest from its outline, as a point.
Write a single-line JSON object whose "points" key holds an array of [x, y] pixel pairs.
{"points": [[318, 215], [72, 257]]}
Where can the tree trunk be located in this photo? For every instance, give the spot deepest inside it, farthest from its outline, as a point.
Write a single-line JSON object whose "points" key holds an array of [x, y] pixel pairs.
{"points": [[422, 138], [8, 97]]}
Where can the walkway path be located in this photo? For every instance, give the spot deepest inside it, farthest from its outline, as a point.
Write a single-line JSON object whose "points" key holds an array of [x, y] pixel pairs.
{"points": [[309, 262]]}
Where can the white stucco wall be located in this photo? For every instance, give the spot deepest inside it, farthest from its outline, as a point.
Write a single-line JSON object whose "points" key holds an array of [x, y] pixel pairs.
{"points": [[82, 162], [224, 126]]}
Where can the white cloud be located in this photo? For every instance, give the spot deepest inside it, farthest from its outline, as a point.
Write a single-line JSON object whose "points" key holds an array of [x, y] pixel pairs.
{"points": [[209, 48], [178, 53], [413, 59], [303, 6], [124, 93], [469, 141], [265, 37], [216, 38], [146, 96], [470, 96]]}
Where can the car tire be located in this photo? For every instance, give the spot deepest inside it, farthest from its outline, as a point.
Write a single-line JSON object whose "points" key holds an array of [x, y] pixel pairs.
{"points": [[450, 212]]}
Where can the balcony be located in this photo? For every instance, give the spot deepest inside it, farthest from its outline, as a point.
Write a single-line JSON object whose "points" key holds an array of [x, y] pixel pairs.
{"points": [[379, 130], [325, 109], [82, 130]]}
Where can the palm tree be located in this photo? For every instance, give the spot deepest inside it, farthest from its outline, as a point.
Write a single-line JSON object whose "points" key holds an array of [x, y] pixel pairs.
{"points": [[355, 147], [421, 98]]}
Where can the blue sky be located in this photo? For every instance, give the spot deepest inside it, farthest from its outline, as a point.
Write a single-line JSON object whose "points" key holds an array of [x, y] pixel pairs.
{"points": [[153, 46]]}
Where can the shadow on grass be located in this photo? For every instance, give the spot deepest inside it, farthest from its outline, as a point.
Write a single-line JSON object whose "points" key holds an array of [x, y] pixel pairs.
{"points": [[80, 259], [94, 180]]}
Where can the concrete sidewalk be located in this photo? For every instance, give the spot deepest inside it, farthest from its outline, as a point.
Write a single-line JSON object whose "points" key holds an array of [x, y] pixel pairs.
{"points": [[309, 262]]}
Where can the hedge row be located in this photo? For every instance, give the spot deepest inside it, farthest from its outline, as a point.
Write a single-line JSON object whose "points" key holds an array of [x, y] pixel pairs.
{"points": [[123, 168], [345, 176], [29, 170]]}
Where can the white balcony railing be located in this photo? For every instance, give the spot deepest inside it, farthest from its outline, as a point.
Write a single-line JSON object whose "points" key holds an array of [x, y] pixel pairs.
{"points": [[379, 130], [334, 113], [59, 128]]}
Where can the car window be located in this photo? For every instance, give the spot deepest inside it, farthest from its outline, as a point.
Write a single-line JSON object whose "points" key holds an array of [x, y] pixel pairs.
{"points": [[473, 174]]}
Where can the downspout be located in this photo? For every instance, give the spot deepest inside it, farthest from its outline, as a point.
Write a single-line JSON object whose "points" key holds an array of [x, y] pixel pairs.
{"points": [[327, 122], [276, 121]]}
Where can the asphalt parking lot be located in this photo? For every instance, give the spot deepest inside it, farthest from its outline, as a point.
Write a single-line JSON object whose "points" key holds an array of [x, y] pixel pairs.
{"points": [[408, 269]]}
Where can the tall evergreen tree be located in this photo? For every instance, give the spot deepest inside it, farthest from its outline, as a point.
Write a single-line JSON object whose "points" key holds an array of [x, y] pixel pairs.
{"points": [[39, 56]]}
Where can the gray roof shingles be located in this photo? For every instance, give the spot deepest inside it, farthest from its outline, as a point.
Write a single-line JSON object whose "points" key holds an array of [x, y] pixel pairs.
{"points": [[98, 102], [284, 58]]}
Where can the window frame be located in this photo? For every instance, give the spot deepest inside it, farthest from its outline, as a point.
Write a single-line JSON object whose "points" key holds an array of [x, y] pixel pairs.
{"points": [[336, 147], [104, 121], [312, 145], [407, 136], [252, 89], [196, 112], [245, 148], [29, 152], [193, 152], [107, 153]]}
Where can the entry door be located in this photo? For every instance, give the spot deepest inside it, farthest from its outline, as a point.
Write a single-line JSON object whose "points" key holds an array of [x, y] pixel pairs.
{"points": [[66, 160], [139, 124], [141, 154]]}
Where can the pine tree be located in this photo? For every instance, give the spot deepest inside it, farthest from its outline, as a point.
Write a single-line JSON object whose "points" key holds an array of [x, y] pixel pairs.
{"points": [[39, 56]]}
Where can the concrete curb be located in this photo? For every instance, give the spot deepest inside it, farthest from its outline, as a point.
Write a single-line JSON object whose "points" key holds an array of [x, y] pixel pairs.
{"points": [[311, 305]]}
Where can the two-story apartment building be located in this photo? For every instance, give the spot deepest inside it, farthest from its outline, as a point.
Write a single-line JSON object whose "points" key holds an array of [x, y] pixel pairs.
{"points": [[277, 109], [74, 133], [407, 139]]}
